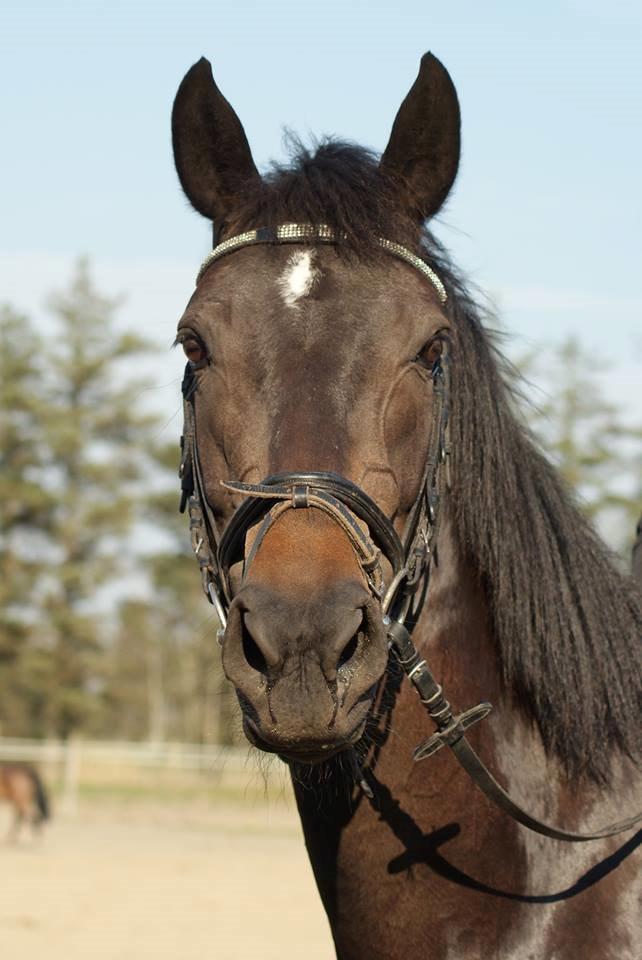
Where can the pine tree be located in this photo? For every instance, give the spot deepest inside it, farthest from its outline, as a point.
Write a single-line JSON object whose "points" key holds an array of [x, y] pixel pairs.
{"points": [[25, 514], [95, 439], [595, 449], [134, 701]]}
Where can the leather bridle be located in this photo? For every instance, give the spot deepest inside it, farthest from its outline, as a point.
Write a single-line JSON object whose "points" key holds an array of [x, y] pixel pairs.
{"points": [[410, 557]]}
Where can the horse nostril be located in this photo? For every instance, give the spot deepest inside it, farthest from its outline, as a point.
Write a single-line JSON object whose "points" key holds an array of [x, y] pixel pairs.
{"points": [[251, 650], [351, 646]]}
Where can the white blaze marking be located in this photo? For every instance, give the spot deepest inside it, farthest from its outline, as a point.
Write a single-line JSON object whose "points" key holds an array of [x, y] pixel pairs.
{"points": [[298, 278]]}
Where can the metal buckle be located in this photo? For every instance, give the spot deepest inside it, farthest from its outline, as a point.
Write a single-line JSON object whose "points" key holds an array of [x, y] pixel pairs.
{"points": [[453, 732], [215, 600]]}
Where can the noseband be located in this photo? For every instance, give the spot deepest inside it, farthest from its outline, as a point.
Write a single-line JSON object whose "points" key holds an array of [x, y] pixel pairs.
{"points": [[410, 557], [335, 496]]}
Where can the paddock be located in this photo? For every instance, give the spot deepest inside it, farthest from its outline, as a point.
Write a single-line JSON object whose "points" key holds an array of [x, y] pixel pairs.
{"points": [[127, 878]]}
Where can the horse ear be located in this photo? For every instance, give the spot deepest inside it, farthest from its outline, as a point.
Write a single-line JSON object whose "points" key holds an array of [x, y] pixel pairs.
{"points": [[424, 146], [212, 156]]}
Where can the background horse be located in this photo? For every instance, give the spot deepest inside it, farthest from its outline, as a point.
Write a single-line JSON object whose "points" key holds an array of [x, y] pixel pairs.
{"points": [[22, 787], [331, 340], [637, 555]]}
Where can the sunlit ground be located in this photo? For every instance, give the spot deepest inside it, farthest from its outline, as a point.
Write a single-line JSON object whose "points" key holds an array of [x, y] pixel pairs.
{"points": [[173, 876]]}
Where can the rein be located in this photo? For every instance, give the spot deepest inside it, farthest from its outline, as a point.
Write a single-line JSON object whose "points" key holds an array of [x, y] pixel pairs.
{"points": [[410, 556]]}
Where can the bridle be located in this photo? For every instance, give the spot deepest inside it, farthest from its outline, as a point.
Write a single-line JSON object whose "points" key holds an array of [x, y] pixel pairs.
{"points": [[410, 556]]}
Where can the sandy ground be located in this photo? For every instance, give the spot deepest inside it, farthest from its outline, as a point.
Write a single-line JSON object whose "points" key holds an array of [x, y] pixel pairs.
{"points": [[130, 883]]}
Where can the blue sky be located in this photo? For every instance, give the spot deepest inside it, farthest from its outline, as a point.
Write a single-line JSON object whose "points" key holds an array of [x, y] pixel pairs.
{"points": [[546, 214]]}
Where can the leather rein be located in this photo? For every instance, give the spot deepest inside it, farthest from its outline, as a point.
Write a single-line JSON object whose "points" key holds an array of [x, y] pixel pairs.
{"points": [[410, 556]]}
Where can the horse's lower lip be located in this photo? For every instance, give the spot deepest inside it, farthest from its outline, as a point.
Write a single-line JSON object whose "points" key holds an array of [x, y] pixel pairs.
{"points": [[315, 755]]}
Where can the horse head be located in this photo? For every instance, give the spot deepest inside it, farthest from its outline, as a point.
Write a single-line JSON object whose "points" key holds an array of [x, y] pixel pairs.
{"points": [[313, 339]]}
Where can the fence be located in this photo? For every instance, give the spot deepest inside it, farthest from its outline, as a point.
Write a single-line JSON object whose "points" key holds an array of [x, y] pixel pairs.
{"points": [[159, 766]]}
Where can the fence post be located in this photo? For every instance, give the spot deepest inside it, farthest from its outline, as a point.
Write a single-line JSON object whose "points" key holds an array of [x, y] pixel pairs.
{"points": [[70, 775]]}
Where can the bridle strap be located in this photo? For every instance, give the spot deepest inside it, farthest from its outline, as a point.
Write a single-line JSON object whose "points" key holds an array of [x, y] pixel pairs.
{"points": [[295, 495], [202, 523], [330, 491], [451, 732], [419, 538], [316, 234]]}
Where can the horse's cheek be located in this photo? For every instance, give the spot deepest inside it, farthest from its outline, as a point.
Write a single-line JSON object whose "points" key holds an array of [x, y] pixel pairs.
{"points": [[406, 430]]}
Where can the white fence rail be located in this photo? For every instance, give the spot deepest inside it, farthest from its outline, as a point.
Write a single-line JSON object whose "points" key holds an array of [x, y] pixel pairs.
{"points": [[159, 756], [77, 762]]}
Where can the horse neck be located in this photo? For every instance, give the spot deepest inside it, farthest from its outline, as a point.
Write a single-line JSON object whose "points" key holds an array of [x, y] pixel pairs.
{"points": [[454, 635], [453, 632]]}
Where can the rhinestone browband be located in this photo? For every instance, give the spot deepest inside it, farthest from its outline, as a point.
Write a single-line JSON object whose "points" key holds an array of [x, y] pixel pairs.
{"points": [[306, 232]]}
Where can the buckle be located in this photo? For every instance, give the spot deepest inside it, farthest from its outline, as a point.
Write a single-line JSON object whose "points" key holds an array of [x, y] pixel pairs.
{"points": [[453, 732]]}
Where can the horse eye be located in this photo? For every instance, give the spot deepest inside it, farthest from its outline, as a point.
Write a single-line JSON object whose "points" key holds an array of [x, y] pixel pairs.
{"points": [[193, 349], [430, 353]]}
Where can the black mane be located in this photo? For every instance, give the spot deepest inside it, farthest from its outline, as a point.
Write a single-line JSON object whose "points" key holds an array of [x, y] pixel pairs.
{"points": [[566, 623], [338, 184]]}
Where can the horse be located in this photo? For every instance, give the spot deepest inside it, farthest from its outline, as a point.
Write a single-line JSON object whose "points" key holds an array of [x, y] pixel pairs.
{"points": [[22, 787], [636, 556], [367, 505]]}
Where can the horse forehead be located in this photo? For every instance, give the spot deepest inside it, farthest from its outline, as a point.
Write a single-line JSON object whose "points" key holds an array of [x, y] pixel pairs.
{"points": [[306, 293], [299, 277], [308, 308], [291, 310]]}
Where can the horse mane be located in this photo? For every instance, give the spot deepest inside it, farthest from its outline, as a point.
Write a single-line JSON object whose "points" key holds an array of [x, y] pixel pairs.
{"points": [[565, 621], [336, 183]]}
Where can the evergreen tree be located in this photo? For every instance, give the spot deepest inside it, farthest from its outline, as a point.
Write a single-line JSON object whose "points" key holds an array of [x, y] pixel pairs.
{"points": [[25, 513], [79, 466], [597, 451], [95, 441], [134, 703]]}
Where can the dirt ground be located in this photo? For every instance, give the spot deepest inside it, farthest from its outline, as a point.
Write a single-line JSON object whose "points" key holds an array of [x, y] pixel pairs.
{"points": [[131, 882]]}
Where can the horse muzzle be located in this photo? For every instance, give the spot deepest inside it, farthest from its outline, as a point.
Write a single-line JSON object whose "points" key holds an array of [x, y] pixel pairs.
{"points": [[305, 666]]}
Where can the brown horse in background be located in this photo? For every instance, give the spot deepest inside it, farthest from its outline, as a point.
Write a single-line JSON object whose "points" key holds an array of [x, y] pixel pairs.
{"points": [[636, 561], [328, 335], [22, 787]]}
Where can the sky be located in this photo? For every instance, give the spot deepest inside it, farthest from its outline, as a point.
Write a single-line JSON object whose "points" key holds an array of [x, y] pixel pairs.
{"points": [[546, 214]]}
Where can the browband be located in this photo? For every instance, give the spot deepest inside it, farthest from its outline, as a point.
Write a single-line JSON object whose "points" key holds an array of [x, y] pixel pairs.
{"points": [[321, 233]]}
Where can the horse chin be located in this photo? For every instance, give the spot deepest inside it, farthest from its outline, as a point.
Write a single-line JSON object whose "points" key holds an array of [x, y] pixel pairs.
{"points": [[304, 751]]}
